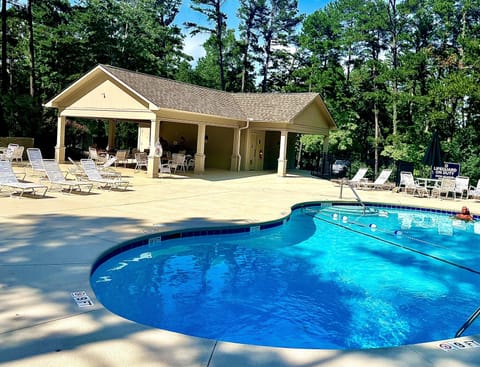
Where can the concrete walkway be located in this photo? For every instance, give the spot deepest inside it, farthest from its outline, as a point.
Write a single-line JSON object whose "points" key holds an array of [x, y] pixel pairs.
{"points": [[48, 245]]}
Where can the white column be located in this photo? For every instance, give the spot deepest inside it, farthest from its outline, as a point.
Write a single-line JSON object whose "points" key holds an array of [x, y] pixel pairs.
{"points": [[143, 141], [282, 155], [153, 161], [235, 160], [60, 147], [200, 155]]}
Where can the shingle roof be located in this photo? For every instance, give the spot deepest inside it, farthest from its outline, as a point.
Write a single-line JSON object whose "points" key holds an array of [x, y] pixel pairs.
{"points": [[273, 106], [167, 93]]}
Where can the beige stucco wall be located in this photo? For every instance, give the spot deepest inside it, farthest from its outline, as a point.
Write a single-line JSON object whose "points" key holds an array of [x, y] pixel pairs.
{"points": [[109, 96], [105, 99], [174, 131], [218, 150], [312, 117]]}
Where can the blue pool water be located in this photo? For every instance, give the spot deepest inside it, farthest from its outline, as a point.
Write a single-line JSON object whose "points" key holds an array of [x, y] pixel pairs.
{"points": [[327, 278]]}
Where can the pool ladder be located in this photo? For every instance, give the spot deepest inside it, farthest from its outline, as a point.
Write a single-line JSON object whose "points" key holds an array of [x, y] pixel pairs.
{"points": [[364, 207], [467, 323]]}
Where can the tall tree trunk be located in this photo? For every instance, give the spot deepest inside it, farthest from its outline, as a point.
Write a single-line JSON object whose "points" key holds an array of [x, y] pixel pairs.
{"points": [[219, 32], [375, 111], [268, 37], [266, 61], [4, 72], [245, 60], [31, 48], [392, 14], [5, 80]]}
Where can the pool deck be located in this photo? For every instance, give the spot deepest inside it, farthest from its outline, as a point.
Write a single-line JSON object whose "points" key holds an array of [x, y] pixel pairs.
{"points": [[48, 245]]}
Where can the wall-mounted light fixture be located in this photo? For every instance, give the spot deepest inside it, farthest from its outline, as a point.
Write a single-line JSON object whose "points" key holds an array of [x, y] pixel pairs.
{"points": [[206, 139]]}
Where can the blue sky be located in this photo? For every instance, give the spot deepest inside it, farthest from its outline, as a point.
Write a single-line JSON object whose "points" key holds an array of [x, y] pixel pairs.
{"points": [[193, 45]]}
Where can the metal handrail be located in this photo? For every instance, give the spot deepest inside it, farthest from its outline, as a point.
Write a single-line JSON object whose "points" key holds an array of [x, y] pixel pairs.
{"points": [[467, 323], [354, 193]]}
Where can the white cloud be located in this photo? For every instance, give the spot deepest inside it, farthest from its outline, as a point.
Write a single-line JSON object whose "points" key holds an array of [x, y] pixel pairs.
{"points": [[193, 46]]}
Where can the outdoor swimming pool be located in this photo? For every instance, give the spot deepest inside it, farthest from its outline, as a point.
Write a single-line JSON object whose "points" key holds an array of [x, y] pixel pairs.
{"points": [[327, 277]]}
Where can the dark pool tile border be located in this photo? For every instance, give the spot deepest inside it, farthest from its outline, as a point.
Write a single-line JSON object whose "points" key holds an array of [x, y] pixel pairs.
{"points": [[378, 205], [166, 236], [244, 228]]}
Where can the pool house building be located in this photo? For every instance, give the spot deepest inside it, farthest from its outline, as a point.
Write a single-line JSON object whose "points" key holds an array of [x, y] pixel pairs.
{"points": [[232, 131]]}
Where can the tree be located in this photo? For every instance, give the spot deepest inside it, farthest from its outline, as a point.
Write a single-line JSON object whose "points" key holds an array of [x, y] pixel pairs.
{"points": [[31, 48], [278, 31], [207, 68], [212, 10], [250, 13], [4, 73]]}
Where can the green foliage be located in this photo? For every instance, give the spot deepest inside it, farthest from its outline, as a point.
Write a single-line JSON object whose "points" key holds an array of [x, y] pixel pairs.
{"points": [[212, 10], [312, 143], [207, 68], [400, 68]]}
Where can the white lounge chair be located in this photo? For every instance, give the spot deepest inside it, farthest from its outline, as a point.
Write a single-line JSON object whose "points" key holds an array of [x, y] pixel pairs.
{"points": [[358, 177], [474, 191], [380, 183], [106, 169], [94, 175], [408, 183], [462, 185], [9, 180], [35, 158], [57, 178], [95, 156], [447, 186], [76, 170]]}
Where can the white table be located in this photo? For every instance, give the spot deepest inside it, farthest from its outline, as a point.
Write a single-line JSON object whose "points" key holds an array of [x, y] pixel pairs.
{"points": [[428, 183]]}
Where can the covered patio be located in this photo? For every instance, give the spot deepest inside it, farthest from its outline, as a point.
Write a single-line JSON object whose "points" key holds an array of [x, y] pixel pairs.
{"points": [[234, 131]]}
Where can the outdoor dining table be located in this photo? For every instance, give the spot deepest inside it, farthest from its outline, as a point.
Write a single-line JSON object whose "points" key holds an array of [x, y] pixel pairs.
{"points": [[428, 183]]}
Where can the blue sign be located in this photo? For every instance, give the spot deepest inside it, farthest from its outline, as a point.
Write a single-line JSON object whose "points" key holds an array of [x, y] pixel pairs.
{"points": [[448, 170]]}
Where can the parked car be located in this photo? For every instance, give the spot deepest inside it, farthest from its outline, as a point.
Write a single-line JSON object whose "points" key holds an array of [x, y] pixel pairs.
{"points": [[340, 167]]}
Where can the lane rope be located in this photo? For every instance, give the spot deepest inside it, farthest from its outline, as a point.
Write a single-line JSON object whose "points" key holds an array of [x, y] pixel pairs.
{"points": [[338, 224]]}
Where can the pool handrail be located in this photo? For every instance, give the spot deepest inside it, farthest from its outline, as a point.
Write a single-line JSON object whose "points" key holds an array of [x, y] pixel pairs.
{"points": [[467, 323], [357, 197]]}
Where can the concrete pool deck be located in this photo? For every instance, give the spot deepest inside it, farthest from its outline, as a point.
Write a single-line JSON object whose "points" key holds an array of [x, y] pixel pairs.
{"points": [[48, 246]]}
